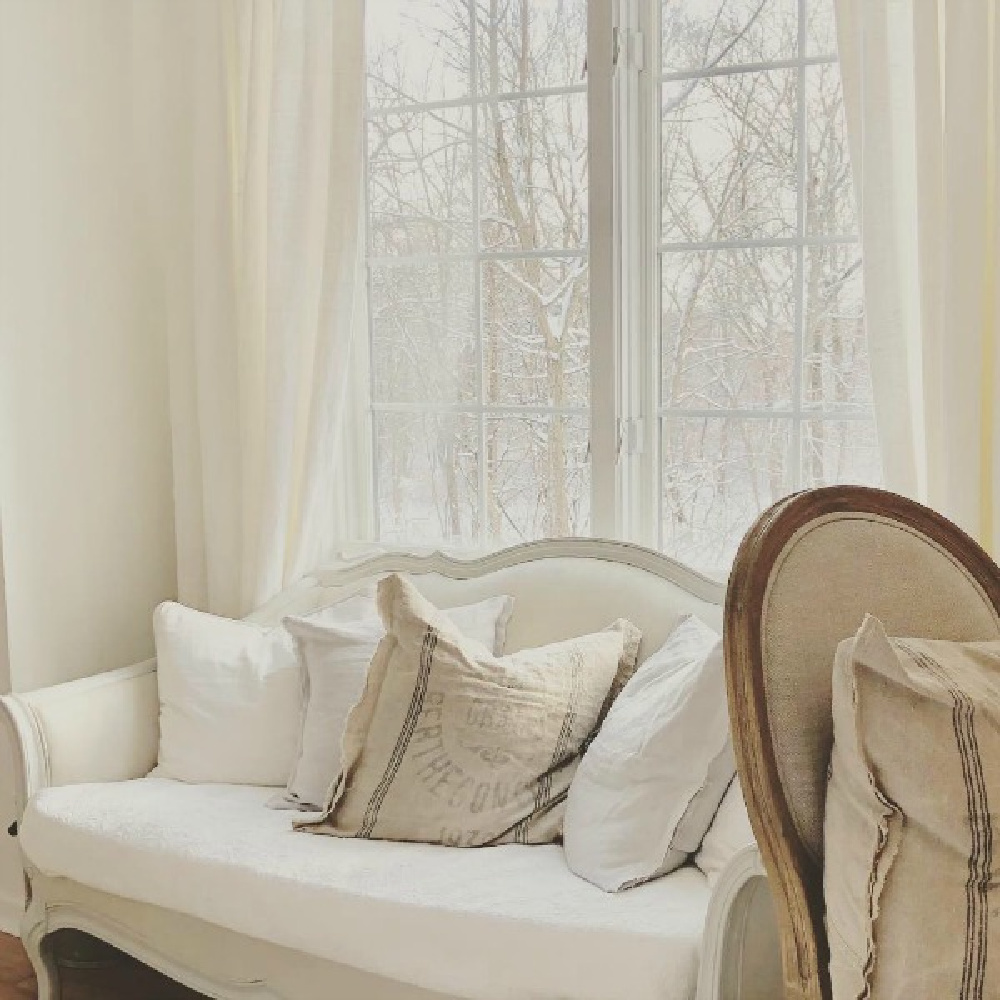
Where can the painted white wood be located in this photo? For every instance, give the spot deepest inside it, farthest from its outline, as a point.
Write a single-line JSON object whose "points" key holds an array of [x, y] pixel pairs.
{"points": [[604, 338], [738, 914], [34, 936], [60, 916], [215, 961], [387, 561], [196, 953]]}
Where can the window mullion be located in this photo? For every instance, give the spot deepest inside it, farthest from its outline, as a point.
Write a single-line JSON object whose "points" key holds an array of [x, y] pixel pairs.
{"points": [[604, 392], [801, 182], [648, 332], [477, 279], [637, 300]]}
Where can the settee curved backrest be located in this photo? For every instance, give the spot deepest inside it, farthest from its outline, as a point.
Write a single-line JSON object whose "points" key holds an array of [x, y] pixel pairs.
{"points": [[805, 576], [561, 588]]}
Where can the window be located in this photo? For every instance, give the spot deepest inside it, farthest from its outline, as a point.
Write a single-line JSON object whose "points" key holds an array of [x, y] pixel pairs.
{"points": [[478, 278], [764, 376], [614, 285]]}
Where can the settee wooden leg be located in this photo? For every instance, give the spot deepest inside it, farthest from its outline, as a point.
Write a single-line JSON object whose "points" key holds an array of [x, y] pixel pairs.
{"points": [[38, 943], [46, 970]]}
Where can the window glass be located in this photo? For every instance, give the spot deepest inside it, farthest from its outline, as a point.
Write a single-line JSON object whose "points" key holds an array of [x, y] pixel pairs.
{"points": [[478, 269]]}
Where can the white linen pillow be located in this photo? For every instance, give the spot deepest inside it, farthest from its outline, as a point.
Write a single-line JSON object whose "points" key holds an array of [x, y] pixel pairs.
{"points": [[231, 692], [729, 833], [333, 670], [229, 698], [650, 783]]}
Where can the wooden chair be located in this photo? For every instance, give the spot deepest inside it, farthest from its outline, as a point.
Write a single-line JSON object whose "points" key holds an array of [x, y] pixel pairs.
{"points": [[805, 576]]}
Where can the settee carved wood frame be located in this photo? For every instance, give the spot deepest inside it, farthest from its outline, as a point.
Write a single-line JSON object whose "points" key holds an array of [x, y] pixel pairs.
{"points": [[126, 748]]}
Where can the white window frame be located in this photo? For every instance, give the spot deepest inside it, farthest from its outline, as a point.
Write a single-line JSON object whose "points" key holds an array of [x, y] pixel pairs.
{"points": [[637, 332], [623, 88], [603, 444], [638, 84], [606, 360]]}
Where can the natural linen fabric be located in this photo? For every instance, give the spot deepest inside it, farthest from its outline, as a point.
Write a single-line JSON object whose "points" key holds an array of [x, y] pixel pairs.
{"points": [[452, 745], [334, 653], [231, 694], [911, 819], [249, 118], [922, 93]]}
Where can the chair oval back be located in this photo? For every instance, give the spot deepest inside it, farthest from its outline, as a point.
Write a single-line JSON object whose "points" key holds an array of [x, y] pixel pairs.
{"points": [[805, 576]]}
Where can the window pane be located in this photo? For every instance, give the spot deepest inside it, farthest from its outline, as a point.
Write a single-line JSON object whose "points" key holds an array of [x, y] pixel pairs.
{"points": [[427, 477], [423, 329], [703, 34], [729, 157], [837, 373], [728, 329], [418, 51], [537, 342], [530, 44], [821, 28], [747, 327], [718, 474], [829, 188], [420, 183], [534, 173], [538, 470], [840, 451], [486, 201]]}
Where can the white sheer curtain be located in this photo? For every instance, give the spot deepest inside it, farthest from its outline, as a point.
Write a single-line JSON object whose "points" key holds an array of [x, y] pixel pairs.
{"points": [[251, 118], [921, 81]]}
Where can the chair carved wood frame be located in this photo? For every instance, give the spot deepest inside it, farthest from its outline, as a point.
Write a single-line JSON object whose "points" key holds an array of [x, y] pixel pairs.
{"points": [[805, 576]]}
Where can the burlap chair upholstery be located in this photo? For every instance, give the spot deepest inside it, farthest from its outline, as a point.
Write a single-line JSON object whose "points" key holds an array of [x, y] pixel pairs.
{"points": [[805, 576]]}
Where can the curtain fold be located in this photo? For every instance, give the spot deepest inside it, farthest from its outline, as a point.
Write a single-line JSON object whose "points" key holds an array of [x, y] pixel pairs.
{"points": [[251, 127], [921, 82]]}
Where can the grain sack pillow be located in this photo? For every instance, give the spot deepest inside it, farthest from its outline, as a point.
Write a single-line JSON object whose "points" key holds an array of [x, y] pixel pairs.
{"points": [[334, 653], [911, 818], [453, 745], [650, 783]]}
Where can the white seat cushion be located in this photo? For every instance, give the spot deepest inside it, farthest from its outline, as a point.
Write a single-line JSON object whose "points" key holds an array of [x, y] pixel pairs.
{"points": [[495, 923]]}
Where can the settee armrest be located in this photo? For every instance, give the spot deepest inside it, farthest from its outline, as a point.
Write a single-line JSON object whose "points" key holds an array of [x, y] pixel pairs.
{"points": [[100, 728], [740, 950]]}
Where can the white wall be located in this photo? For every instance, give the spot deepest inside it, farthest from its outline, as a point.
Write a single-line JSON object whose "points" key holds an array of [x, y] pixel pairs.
{"points": [[86, 512], [11, 891]]}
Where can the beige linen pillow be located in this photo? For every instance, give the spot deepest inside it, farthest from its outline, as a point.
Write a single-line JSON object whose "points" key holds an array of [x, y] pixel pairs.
{"points": [[333, 674], [451, 744], [911, 818]]}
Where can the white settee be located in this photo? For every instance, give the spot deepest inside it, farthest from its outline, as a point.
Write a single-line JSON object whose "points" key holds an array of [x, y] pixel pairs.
{"points": [[215, 890]]}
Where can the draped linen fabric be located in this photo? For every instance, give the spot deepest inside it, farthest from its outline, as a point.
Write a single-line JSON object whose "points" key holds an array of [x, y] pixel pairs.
{"points": [[921, 84], [250, 118]]}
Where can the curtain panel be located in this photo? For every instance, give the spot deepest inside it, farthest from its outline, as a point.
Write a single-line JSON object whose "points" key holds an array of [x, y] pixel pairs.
{"points": [[249, 115], [921, 90]]}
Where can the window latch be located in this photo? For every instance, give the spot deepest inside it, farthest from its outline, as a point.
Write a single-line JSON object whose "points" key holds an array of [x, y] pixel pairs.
{"points": [[631, 437], [627, 49]]}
